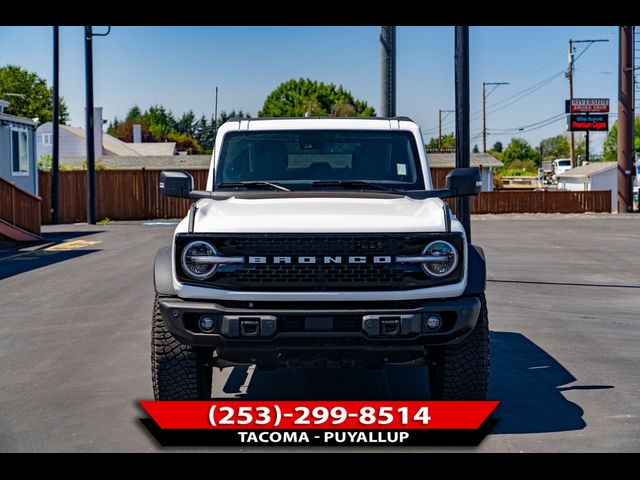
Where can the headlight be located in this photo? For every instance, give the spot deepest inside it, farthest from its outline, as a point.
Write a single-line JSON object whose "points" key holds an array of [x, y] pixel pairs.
{"points": [[442, 259], [199, 260]]}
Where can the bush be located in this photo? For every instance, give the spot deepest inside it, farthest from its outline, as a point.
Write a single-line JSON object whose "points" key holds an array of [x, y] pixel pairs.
{"points": [[518, 168], [184, 143], [44, 162]]}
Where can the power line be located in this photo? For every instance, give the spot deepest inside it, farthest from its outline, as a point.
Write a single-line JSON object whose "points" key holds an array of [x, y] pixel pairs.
{"points": [[530, 126], [516, 97]]}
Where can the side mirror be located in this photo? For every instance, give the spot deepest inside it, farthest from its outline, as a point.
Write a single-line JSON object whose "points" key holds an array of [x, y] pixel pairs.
{"points": [[464, 182], [176, 183]]}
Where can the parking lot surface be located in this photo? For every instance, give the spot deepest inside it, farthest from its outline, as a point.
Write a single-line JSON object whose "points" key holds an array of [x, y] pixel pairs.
{"points": [[564, 309]]}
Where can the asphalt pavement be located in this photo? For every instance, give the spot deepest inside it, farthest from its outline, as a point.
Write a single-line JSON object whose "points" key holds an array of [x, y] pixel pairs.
{"points": [[564, 307]]}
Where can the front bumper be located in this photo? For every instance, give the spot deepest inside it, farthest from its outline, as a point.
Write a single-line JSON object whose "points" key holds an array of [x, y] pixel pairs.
{"points": [[245, 334]]}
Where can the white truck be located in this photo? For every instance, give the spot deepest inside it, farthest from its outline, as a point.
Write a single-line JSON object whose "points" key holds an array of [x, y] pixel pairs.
{"points": [[561, 165], [320, 241]]}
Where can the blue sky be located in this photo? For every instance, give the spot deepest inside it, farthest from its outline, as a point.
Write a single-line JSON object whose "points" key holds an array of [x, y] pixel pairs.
{"points": [[179, 67]]}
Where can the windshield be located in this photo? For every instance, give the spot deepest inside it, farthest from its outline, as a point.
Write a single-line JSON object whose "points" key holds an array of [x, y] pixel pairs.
{"points": [[564, 163], [298, 158]]}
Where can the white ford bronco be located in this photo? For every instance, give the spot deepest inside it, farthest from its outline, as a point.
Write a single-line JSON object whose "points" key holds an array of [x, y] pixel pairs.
{"points": [[320, 242]]}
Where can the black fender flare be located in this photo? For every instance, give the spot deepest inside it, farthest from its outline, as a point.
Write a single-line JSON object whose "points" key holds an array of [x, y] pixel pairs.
{"points": [[162, 272], [476, 271]]}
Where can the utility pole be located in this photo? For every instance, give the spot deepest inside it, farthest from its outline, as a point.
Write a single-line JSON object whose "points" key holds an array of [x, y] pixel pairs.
{"points": [[89, 133], [586, 145], [55, 150], [625, 118], [484, 110], [440, 112], [89, 121], [215, 110], [463, 212], [215, 118], [569, 74], [388, 71]]}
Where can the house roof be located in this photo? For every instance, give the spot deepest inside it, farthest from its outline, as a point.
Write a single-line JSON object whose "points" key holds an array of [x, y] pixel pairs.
{"points": [[448, 160], [154, 148], [5, 117], [117, 147], [589, 170]]}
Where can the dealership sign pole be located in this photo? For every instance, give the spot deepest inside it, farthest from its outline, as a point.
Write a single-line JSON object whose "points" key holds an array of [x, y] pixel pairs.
{"points": [[588, 115]]}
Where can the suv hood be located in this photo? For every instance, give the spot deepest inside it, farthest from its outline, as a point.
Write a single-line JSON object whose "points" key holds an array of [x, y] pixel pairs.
{"points": [[320, 215]]}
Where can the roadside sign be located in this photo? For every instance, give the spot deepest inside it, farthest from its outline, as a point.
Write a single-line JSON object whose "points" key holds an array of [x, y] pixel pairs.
{"points": [[581, 122], [587, 105]]}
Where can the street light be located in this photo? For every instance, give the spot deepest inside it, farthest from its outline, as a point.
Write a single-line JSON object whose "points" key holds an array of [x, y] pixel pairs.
{"points": [[91, 168]]}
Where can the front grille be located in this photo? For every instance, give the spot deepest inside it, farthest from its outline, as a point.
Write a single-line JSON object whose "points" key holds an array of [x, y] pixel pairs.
{"points": [[320, 277]]}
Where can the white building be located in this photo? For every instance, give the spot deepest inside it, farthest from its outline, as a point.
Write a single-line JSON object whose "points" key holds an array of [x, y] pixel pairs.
{"points": [[485, 162], [73, 142], [594, 176]]}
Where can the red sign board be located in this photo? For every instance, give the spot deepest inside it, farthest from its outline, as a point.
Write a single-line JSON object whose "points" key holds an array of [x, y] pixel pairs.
{"points": [[580, 122], [589, 105]]}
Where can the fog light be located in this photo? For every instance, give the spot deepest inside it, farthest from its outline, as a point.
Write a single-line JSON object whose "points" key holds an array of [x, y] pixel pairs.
{"points": [[432, 322], [207, 324]]}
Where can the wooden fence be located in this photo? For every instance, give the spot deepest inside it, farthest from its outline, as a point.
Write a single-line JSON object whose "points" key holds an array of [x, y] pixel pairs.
{"points": [[541, 202], [19, 208], [120, 195], [135, 195], [529, 201]]}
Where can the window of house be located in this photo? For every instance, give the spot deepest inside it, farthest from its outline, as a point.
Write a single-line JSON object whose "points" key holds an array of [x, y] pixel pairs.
{"points": [[47, 138], [19, 152]]}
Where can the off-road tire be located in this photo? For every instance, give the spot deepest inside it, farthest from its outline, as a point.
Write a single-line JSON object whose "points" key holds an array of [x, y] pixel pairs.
{"points": [[179, 372], [461, 371]]}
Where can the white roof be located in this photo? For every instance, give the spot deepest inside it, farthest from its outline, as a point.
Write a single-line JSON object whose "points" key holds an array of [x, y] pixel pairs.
{"points": [[321, 123], [117, 147], [588, 171], [12, 118], [153, 148]]}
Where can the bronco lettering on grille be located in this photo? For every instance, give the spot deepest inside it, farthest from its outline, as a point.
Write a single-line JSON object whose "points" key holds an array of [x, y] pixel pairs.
{"points": [[339, 259]]}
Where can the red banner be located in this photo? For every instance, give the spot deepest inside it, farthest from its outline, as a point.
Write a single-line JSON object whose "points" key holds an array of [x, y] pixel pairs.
{"points": [[325, 415]]}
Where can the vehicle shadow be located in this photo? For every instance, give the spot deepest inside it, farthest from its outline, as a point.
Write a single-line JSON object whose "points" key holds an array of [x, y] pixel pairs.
{"points": [[526, 379], [23, 258], [32, 261]]}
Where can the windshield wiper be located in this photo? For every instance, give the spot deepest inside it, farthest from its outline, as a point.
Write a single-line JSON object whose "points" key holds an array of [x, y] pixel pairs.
{"points": [[254, 183], [353, 183]]}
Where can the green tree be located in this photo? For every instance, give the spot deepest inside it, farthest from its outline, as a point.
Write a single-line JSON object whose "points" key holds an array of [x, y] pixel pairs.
{"points": [[497, 147], [29, 95], [297, 98], [610, 146], [124, 132], [185, 143], [475, 149], [448, 142], [192, 135], [519, 149], [224, 116], [187, 124], [554, 147], [134, 114], [495, 154]]}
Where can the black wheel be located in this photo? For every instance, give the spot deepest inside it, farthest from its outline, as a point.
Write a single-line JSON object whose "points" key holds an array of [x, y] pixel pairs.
{"points": [[461, 371], [179, 372]]}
